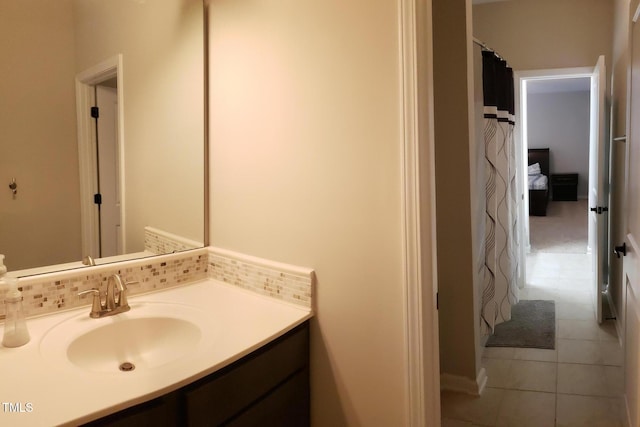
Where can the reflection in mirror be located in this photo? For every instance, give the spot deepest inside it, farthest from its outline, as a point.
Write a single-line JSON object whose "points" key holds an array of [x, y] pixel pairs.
{"points": [[144, 155]]}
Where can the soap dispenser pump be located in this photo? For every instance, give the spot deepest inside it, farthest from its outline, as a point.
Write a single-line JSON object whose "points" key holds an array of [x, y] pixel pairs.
{"points": [[15, 325]]}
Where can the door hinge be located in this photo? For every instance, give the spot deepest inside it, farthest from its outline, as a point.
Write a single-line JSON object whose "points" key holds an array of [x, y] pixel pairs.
{"points": [[97, 199], [599, 209], [95, 112], [437, 301]]}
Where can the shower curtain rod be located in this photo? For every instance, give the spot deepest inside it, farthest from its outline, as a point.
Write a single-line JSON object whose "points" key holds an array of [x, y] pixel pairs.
{"points": [[484, 46]]}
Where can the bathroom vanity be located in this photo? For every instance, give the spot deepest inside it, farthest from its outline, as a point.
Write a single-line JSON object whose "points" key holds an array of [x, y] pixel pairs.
{"points": [[267, 387], [242, 359]]}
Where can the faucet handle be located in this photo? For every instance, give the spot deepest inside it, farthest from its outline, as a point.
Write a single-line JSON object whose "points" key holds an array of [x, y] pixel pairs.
{"points": [[122, 297], [96, 306]]}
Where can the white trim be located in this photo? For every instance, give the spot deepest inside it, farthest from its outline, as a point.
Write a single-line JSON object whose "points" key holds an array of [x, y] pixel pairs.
{"points": [[520, 78], [520, 136], [86, 130], [85, 99], [463, 384], [555, 73], [414, 377], [418, 184], [614, 315]]}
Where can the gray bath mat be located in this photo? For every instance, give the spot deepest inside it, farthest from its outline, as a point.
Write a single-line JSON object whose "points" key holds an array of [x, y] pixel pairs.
{"points": [[532, 325]]}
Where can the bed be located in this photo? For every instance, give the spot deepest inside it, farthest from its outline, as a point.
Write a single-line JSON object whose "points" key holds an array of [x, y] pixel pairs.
{"points": [[538, 171]]}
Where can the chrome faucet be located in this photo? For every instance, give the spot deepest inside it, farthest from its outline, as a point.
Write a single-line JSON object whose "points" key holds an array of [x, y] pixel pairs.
{"points": [[115, 298]]}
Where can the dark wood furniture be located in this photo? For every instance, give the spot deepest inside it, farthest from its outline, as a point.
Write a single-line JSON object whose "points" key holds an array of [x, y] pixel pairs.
{"points": [[564, 187], [269, 387], [538, 199]]}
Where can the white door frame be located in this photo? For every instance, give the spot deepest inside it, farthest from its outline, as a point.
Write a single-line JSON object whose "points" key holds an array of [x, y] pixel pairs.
{"points": [[86, 130], [422, 374], [598, 180], [630, 263], [108, 171], [521, 77]]}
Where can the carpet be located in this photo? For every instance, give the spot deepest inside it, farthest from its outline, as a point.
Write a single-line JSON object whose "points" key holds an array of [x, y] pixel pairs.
{"points": [[563, 230], [532, 325]]}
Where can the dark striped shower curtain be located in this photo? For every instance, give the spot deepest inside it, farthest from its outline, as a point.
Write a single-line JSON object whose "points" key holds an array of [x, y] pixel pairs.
{"points": [[499, 291]]}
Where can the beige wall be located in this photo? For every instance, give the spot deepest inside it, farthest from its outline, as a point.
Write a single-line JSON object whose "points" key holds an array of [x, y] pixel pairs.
{"points": [[162, 48], [454, 142], [560, 121], [306, 132], [546, 34], [38, 134]]}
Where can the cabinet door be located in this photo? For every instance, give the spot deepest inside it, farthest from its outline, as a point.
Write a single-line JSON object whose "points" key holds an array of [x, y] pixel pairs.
{"points": [[160, 412], [269, 387], [221, 397], [287, 406]]}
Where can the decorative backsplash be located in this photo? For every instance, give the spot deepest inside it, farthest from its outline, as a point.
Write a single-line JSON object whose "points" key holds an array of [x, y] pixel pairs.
{"points": [[282, 281], [47, 293], [161, 242], [50, 292]]}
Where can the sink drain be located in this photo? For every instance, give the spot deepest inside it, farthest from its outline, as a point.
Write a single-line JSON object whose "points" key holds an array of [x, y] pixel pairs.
{"points": [[127, 366]]}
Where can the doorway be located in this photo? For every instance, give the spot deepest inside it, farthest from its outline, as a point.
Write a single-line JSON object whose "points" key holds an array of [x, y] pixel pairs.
{"points": [[556, 117], [108, 166], [561, 110], [101, 156], [579, 380]]}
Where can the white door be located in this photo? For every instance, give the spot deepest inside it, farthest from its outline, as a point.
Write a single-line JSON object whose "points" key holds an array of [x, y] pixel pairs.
{"points": [[108, 171], [597, 198], [630, 264]]}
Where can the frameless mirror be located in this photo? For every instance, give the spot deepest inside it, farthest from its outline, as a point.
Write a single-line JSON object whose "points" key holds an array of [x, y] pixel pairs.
{"points": [[101, 130]]}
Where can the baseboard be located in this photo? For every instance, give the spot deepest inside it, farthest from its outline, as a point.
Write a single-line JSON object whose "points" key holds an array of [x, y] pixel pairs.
{"points": [[614, 313], [463, 384]]}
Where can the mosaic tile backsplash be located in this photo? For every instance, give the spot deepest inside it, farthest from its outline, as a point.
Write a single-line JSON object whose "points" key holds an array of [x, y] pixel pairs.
{"points": [[160, 242], [57, 291], [47, 293], [282, 281]]}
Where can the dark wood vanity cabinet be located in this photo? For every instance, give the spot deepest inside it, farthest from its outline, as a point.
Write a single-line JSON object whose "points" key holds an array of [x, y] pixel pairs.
{"points": [[269, 387]]}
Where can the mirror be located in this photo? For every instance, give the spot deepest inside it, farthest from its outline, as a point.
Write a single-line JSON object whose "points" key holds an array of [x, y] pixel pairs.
{"points": [[142, 159]]}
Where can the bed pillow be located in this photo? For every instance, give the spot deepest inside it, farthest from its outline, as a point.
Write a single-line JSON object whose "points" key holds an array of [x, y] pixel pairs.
{"points": [[538, 182], [534, 169]]}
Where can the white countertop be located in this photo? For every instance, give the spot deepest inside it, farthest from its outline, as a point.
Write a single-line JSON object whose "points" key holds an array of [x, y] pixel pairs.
{"points": [[51, 393]]}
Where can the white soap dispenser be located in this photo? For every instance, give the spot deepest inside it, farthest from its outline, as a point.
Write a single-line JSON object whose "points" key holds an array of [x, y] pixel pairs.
{"points": [[3, 268], [15, 325]]}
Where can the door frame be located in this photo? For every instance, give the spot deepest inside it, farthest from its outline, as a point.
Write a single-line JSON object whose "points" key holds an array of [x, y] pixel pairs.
{"points": [[86, 133], [420, 285], [108, 171], [630, 271], [520, 132]]}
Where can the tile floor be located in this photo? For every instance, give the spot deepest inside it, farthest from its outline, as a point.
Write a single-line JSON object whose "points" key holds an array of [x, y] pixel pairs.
{"points": [[580, 383]]}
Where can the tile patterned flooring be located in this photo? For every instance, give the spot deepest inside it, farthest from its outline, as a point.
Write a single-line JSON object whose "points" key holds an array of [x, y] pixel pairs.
{"points": [[578, 384]]}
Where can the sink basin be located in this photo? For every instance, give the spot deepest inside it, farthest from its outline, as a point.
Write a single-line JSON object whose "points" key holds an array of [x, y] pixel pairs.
{"points": [[144, 342], [149, 336]]}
